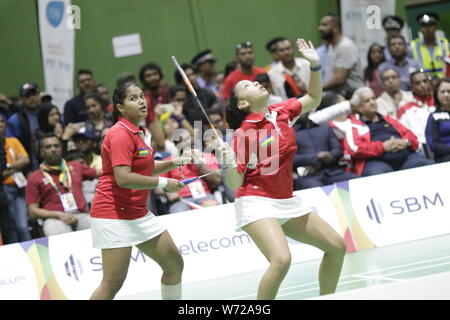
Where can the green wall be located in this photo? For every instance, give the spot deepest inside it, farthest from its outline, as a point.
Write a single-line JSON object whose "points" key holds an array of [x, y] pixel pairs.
{"points": [[167, 27]]}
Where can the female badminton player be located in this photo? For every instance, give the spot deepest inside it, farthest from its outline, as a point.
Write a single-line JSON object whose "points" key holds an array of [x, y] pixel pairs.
{"points": [[120, 218], [265, 207]]}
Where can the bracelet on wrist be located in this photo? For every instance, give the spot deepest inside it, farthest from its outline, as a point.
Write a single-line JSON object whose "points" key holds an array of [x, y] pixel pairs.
{"points": [[316, 68], [162, 182]]}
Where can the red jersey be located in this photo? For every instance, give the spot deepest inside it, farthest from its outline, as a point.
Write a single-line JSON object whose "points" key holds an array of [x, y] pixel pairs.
{"points": [[265, 147], [236, 76], [122, 146], [152, 101], [39, 190], [191, 171]]}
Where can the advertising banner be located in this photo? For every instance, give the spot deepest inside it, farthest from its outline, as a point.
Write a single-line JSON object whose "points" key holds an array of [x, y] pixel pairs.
{"points": [[57, 37]]}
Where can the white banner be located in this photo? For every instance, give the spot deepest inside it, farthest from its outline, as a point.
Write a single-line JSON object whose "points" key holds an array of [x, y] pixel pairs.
{"points": [[404, 205], [207, 241], [362, 22], [57, 35]]}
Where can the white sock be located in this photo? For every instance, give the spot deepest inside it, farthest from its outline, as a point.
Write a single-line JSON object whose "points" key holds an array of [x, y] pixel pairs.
{"points": [[171, 292]]}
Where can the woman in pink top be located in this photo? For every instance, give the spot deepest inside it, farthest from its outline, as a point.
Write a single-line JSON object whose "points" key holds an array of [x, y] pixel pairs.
{"points": [[265, 207], [120, 218]]}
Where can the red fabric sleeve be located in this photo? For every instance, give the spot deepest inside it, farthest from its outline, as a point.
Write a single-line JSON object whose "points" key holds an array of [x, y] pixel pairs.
{"points": [[87, 173], [122, 149], [32, 192], [293, 107], [365, 148]]}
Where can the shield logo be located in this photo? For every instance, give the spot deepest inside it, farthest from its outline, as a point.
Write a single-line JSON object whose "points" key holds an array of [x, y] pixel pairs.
{"points": [[55, 12]]}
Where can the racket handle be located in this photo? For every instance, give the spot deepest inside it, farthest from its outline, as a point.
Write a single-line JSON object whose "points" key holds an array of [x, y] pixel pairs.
{"points": [[187, 181]]}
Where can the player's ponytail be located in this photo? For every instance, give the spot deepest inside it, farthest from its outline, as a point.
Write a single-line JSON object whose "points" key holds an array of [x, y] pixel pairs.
{"points": [[119, 96], [235, 116]]}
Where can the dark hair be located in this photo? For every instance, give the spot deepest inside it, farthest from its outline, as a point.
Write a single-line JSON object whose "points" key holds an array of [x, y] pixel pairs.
{"points": [[149, 66], [174, 89], [177, 75], [119, 95], [335, 19], [46, 135], [262, 77], [368, 72], [73, 155], [395, 36], [414, 73], [42, 117], [436, 100], [215, 111], [229, 68], [235, 116], [84, 71], [96, 96], [328, 99]]}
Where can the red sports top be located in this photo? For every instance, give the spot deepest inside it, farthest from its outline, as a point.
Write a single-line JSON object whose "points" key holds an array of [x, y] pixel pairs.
{"points": [[268, 151], [122, 146]]}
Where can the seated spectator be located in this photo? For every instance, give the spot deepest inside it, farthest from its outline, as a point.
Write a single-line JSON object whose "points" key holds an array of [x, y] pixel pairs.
{"points": [[393, 26], [151, 77], [317, 158], [3, 198], [414, 115], [400, 61], [393, 96], [24, 123], [15, 218], [99, 120], [103, 91], [290, 69], [173, 111], [86, 142], [204, 64], [49, 120], [246, 69], [198, 193], [74, 110], [379, 144], [375, 57], [438, 126], [190, 109], [54, 191], [264, 80], [343, 69], [271, 47]]}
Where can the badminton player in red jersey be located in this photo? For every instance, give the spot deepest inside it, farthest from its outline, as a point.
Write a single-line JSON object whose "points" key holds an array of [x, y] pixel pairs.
{"points": [[265, 207], [120, 218]]}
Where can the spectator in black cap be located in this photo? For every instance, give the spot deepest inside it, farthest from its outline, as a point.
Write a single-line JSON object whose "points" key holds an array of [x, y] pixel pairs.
{"points": [[74, 111], [204, 63], [24, 123], [431, 50], [271, 47], [393, 26]]}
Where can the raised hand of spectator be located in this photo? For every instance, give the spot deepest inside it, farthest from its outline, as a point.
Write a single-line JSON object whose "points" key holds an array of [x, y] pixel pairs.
{"points": [[159, 110], [58, 130], [70, 130]]}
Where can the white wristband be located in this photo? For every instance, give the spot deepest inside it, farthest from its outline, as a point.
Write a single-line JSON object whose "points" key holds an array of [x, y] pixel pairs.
{"points": [[162, 182]]}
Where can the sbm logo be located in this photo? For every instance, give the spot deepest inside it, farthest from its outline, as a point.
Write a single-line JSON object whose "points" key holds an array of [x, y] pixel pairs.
{"points": [[73, 268], [404, 206]]}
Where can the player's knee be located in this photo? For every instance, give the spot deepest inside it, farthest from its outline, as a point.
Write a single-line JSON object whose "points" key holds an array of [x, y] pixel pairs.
{"points": [[281, 261], [339, 246]]}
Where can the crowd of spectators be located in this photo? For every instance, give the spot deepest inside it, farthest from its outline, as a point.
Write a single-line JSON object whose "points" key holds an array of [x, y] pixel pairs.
{"points": [[392, 115]]}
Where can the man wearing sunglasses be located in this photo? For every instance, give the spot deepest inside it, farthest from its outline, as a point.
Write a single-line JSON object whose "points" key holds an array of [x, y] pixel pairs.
{"points": [[245, 57]]}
